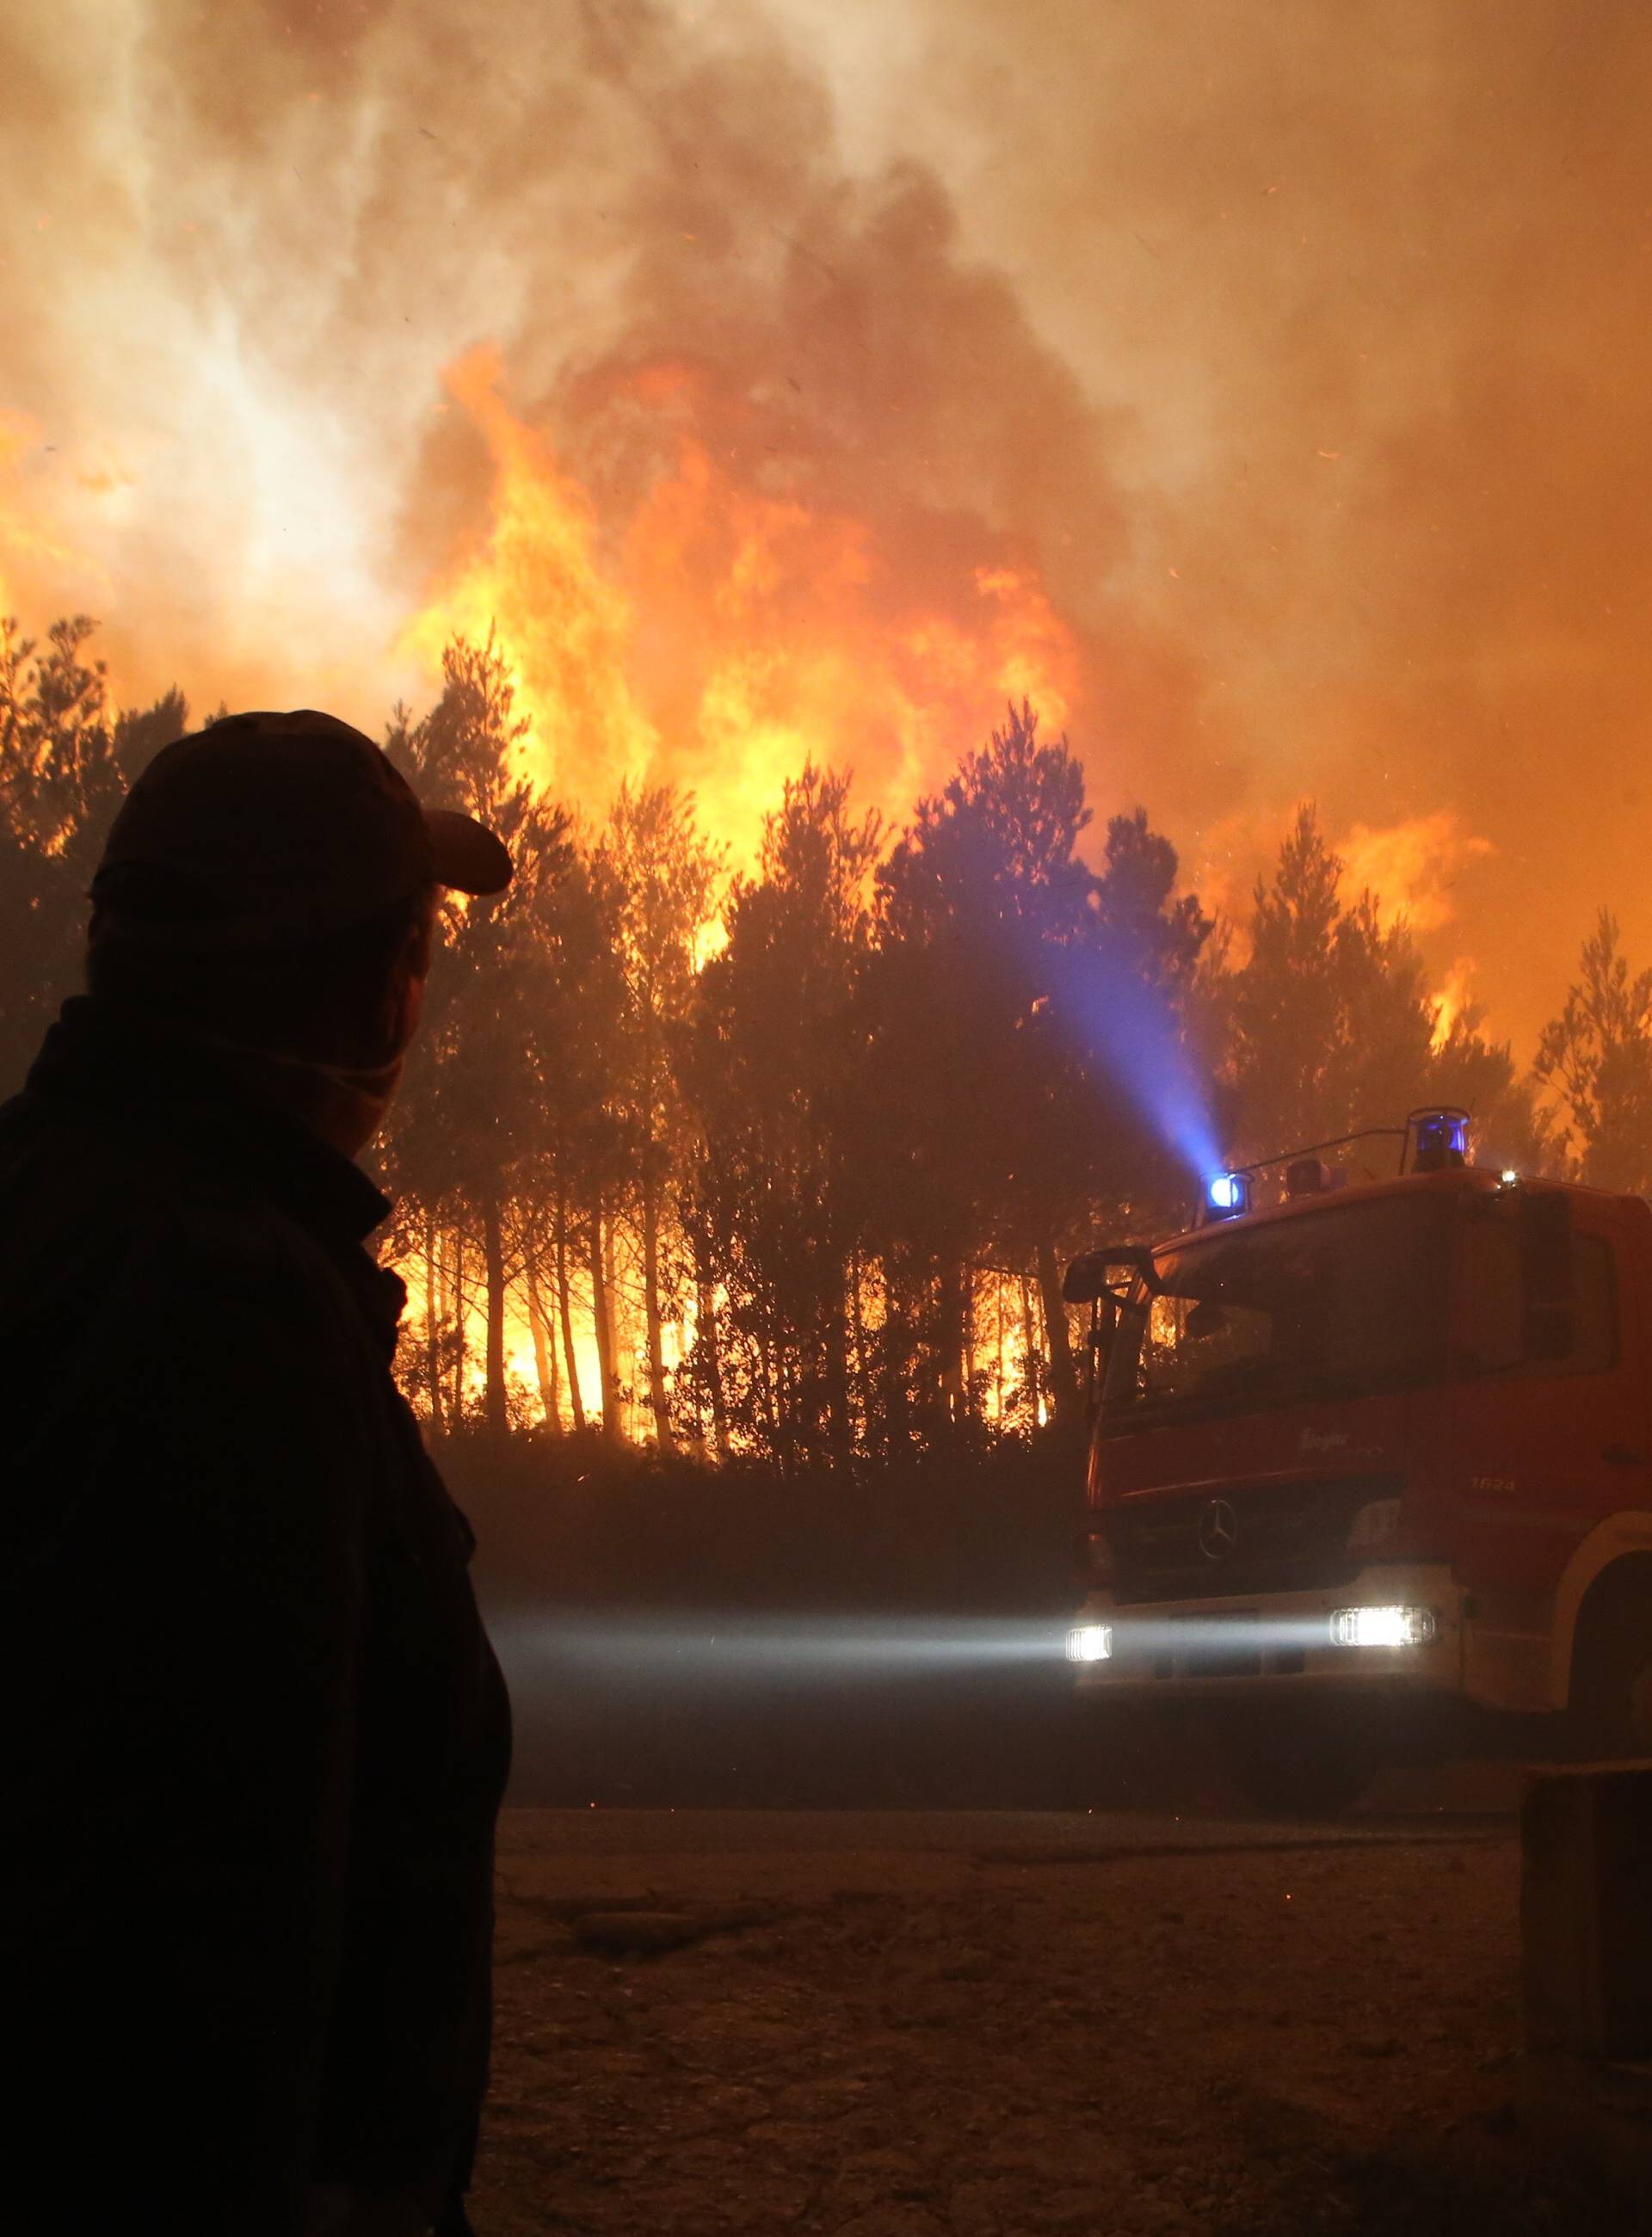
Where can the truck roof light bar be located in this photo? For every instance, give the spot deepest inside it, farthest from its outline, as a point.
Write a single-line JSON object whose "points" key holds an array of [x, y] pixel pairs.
{"points": [[1313, 1148], [1432, 1140]]}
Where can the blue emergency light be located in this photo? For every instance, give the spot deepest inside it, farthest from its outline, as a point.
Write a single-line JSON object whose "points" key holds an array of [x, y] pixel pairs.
{"points": [[1439, 1140], [1227, 1195]]}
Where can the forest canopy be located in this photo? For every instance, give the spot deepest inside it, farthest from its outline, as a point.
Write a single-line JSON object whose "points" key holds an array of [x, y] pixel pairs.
{"points": [[785, 1162]]}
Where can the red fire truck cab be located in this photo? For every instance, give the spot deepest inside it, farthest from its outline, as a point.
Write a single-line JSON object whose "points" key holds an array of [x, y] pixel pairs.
{"points": [[1370, 1475]]}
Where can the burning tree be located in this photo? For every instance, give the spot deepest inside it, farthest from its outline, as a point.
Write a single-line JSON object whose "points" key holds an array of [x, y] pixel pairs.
{"points": [[774, 1076], [66, 757], [998, 948], [664, 878], [1328, 1024], [464, 1145]]}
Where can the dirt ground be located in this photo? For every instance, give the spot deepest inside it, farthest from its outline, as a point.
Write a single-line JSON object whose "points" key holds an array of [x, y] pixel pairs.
{"points": [[981, 2025]]}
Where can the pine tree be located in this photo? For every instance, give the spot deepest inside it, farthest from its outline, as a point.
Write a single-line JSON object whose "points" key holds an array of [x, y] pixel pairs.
{"points": [[65, 760], [1597, 1055], [1329, 1026], [664, 878], [1011, 1000], [463, 1137], [770, 1066]]}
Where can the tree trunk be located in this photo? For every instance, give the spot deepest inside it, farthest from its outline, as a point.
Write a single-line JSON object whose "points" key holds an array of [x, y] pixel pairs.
{"points": [[950, 1342], [840, 1429], [1032, 1363], [565, 1314], [786, 1410], [600, 1313], [896, 1394], [706, 1341], [1063, 1387], [622, 1361], [498, 1414], [433, 1321], [461, 1343], [657, 1398], [544, 1354], [771, 1415], [857, 1331]]}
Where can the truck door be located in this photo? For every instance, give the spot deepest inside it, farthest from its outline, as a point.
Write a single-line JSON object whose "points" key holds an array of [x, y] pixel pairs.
{"points": [[1545, 1446]]}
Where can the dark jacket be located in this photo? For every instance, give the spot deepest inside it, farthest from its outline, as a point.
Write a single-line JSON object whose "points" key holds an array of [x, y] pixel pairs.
{"points": [[255, 1739]]}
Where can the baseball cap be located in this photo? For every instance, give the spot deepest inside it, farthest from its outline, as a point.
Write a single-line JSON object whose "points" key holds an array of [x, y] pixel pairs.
{"points": [[272, 827]]}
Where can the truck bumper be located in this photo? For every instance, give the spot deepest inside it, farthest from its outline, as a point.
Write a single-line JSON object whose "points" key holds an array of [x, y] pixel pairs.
{"points": [[1279, 1643]]}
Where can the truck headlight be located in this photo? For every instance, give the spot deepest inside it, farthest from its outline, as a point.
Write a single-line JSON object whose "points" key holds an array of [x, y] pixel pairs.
{"points": [[1091, 1642], [1383, 1627]]}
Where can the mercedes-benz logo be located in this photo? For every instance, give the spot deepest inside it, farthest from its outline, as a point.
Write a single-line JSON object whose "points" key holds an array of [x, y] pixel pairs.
{"points": [[1217, 1531]]}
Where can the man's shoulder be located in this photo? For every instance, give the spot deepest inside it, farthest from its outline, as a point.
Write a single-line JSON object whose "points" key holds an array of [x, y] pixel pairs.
{"points": [[83, 1212]]}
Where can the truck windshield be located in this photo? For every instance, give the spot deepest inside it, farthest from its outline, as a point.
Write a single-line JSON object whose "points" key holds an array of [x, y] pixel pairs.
{"points": [[1335, 1304]]}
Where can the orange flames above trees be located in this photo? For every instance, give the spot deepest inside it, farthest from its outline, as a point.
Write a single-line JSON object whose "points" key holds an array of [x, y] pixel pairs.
{"points": [[1412, 869], [710, 626]]}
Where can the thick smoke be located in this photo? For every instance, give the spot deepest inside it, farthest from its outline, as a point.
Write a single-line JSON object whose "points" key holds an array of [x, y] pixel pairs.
{"points": [[1299, 349], [1375, 280]]}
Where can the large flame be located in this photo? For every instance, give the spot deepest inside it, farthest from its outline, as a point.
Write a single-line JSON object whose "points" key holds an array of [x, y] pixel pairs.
{"points": [[1454, 1002], [720, 633], [1411, 870]]}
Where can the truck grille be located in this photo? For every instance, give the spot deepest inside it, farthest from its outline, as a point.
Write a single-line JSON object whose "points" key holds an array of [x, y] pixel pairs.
{"points": [[1286, 1537]]}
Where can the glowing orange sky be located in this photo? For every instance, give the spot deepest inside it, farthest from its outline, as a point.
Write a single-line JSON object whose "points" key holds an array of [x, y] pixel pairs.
{"points": [[1260, 385]]}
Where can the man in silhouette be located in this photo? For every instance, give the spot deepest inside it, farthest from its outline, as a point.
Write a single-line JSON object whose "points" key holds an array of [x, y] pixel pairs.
{"points": [[255, 1736]]}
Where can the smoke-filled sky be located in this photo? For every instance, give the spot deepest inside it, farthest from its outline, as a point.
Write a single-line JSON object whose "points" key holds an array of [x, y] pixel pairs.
{"points": [[1260, 383]]}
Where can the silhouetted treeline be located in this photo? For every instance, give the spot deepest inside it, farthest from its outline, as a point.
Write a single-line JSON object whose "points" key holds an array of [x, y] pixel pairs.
{"points": [[785, 1163]]}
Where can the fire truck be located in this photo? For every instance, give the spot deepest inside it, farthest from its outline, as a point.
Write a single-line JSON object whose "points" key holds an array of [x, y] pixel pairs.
{"points": [[1371, 1468]]}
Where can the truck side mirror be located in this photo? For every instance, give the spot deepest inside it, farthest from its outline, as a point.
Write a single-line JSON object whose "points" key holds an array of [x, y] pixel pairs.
{"points": [[1086, 1279], [1546, 1277]]}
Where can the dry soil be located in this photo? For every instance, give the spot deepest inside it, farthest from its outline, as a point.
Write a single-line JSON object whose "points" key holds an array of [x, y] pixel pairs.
{"points": [[981, 2026]]}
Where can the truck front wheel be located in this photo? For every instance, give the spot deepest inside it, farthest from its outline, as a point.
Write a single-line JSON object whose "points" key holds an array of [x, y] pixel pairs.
{"points": [[1298, 1766], [1611, 1693]]}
